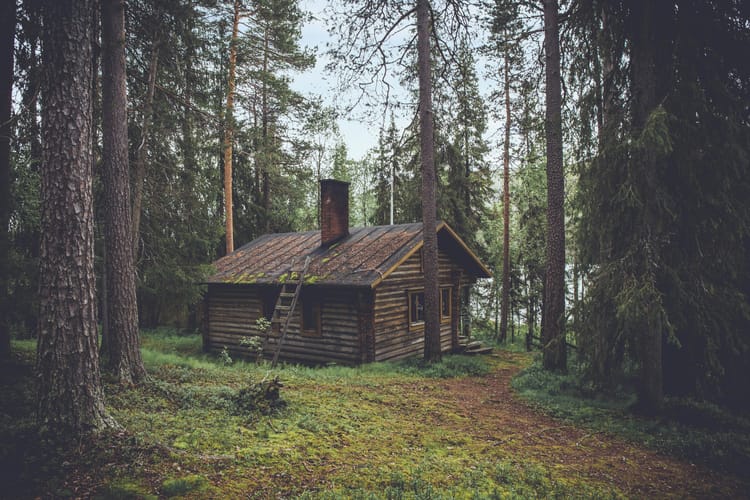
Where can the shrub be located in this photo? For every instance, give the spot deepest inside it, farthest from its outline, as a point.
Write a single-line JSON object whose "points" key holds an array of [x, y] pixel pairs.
{"points": [[263, 397]]}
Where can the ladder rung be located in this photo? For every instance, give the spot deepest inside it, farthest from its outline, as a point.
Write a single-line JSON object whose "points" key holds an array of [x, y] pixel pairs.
{"points": [[283, 308], [286, 295]]}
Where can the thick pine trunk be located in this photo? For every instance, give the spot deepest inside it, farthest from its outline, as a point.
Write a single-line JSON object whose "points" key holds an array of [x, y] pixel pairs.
{"points": [[7, 33], [506, 207], [553, 338], [124, 356], [70, 401], [429, 184], [229, 130]]}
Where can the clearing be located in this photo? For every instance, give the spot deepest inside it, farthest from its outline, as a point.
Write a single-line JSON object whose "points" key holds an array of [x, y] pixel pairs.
{"points": [[378, 431]]}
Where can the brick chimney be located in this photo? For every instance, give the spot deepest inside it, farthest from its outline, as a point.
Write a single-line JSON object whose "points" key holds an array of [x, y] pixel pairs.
{"points": [[334, 211]]}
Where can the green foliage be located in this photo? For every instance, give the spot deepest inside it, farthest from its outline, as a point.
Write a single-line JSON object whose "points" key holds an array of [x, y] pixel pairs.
{"points": [[262, 397], [383, 430], [224, 356], [664, 225], [184, 485], [124, 489], [696, 431], [494, 480], [166, 340], [449, 367]]}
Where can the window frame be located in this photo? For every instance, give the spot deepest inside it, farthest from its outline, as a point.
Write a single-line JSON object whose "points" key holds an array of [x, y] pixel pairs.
{"points": [[310, 305], [445, 318], [413, 295]]}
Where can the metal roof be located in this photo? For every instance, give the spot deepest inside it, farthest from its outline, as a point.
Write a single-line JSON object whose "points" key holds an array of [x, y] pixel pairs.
{"points": [[363, 258]]}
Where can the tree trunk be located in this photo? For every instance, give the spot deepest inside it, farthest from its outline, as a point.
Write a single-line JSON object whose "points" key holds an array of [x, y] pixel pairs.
{"points": [[466, 311], [506, 206], [530, 314], [229, 131], [266, 153], [7, 37], [124, 356], [432, 350], [575, 292], [139, 166], [70, 401], [553, 338], [645, 62], [496, 304]]}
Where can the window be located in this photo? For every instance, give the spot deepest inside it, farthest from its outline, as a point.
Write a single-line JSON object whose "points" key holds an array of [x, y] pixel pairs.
{"points": [[446, 305], [416, 309], [269, 298], [310, 315]]}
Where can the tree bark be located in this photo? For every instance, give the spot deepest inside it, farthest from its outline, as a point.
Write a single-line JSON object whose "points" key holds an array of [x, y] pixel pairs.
{"points": [[7, 36], [432, 350], [553, 331], [506, 206], [124, 356], [229, 130], [70, 401]]}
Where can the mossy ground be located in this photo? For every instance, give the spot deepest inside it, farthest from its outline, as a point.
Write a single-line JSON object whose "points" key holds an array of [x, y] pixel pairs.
{"points": [[383, 430]]}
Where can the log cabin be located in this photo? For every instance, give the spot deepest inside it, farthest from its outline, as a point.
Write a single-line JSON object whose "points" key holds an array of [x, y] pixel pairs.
{"points": [[361, 298]]}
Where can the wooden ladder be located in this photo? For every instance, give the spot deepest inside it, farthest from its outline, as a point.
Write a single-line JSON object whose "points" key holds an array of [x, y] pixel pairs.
{"points": [[285, 304]]}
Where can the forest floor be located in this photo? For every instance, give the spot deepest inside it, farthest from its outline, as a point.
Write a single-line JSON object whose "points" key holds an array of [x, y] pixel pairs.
{"points": [[379, 431]]}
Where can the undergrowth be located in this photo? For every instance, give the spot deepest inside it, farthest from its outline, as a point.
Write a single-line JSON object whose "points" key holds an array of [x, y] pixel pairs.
{"points": [[697, 431], [201, 429]]}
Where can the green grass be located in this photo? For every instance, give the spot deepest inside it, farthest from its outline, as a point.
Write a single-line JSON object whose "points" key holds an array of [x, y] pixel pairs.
{"points": [[696, 431], [196, 429]]}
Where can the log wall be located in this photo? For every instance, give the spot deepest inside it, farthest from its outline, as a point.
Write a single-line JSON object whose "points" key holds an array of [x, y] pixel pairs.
{"points": [[233, 309], [393, 338], [353, 330]]}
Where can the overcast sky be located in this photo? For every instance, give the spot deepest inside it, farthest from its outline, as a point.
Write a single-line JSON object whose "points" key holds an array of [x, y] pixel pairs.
{"points": [[358, 136]]}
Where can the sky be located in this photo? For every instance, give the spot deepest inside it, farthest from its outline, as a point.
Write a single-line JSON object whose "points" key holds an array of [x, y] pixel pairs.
{"points": [[358, 136]]}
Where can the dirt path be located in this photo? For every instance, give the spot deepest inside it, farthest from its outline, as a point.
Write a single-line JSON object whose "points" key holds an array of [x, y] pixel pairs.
{"points": [[503, 420]]}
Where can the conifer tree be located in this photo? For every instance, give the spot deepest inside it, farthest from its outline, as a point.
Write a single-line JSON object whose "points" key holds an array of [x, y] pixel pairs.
{"points": [[70, 401], [648, 231], [229, 129], [122, 355], [8, 30], [553, 330]]}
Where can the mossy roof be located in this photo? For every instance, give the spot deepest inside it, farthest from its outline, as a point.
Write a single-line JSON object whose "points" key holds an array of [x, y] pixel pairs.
{"points": [[361, 259]]}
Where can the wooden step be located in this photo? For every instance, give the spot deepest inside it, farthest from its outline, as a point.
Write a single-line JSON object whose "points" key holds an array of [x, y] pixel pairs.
{"points": [[478, 350], [473, 344], [286, 295]]}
